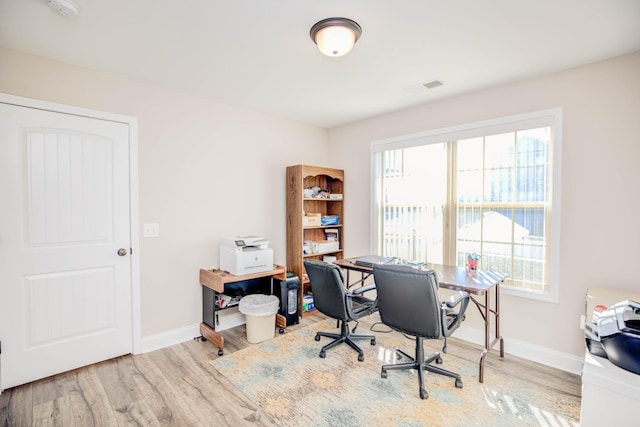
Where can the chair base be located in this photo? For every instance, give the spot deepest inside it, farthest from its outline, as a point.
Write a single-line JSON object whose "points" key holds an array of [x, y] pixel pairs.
{"points": [[425, 365], [344, 337]]}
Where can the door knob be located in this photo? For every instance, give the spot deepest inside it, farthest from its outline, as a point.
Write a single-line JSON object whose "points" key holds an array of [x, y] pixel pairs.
{"points": [[122, 251]]}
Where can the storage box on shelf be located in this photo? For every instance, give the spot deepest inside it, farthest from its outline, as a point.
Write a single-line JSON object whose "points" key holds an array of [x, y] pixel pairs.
{"points": [[330, 220], [332, 234], [320, 247], [325, 246], [312, 220], [315, 204]]}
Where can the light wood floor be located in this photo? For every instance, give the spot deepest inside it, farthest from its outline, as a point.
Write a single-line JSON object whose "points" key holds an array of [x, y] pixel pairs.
{"points": [[177, 386]]}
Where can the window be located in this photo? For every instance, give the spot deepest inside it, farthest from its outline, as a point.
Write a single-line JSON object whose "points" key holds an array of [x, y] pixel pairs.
{"points": [[490, 189]]}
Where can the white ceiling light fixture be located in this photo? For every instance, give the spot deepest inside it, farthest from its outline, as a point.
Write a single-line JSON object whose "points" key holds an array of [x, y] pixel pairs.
{"points": [[66, 8], [335, 36]]}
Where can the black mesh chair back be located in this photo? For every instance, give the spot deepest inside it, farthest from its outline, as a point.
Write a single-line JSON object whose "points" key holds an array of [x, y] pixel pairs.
{"points": [[408, 302], [331, 297], [329, 292]]}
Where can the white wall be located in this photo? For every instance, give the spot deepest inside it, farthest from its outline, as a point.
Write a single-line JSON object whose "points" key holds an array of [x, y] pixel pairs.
{"points": [[206, 170], [600, 231]]}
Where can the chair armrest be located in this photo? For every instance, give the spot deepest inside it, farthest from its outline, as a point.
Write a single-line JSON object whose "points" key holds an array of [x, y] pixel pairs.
{"points": [[455, 299], [363, 289], [359, 305], [452, 319]]}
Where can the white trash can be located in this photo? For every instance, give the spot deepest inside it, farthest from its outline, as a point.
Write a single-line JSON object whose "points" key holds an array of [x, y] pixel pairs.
{"points": [[260, 312]]}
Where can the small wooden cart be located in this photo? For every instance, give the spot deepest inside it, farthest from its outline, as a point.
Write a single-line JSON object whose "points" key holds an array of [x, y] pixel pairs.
{"points": [[213, 282]]}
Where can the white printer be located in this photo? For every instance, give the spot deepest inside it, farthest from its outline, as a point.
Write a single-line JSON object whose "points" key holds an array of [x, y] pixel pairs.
{"points": [[245, 255]]}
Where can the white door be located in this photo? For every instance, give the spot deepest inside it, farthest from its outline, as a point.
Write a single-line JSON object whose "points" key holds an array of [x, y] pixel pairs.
{"points": [[65, 293]]}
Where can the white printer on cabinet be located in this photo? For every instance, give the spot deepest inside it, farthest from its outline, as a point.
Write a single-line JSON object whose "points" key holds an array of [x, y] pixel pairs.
{"points": [[241, 255]]}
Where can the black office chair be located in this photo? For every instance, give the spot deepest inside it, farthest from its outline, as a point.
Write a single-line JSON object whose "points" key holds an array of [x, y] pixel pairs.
{"points": [[408, 302], [331, 297]]}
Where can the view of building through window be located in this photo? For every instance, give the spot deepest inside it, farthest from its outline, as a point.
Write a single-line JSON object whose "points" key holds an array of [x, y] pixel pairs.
{"points": [[496, 189], [502, 201]]}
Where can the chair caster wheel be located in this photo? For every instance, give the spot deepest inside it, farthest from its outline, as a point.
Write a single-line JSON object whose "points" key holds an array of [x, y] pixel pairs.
{"points": [[373, 341], [458, 383], [423, 394], [360, 357], [220, 352], [439, 360], [383, 374], [323, 354], [317, 338], [281, 331]]}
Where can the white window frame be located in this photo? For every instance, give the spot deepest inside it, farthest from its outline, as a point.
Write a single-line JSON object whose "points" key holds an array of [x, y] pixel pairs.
{"points": [[550, 117]]}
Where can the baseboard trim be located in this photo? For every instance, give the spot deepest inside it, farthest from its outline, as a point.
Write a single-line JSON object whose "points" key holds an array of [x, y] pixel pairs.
{"points": [[546, 356], [230, 319], [169, 338], [549, 357]]}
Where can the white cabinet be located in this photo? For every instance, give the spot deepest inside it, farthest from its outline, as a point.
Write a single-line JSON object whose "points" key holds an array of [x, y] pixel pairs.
{"points": [[610, 395]]}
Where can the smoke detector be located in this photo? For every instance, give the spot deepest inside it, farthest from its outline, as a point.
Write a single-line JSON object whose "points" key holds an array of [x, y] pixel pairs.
{"points": [[66, 8]]}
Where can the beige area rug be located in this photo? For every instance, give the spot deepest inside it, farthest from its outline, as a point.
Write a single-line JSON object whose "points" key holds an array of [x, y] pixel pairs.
{"points": [[295, 387]]}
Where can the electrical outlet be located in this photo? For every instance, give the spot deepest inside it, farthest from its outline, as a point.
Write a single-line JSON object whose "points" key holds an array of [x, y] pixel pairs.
{"points": [[151, 229]]}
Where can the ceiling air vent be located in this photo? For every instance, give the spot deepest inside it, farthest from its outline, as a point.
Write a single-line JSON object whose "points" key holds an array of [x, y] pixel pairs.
{"points": [[433, 84], [423, 87]]}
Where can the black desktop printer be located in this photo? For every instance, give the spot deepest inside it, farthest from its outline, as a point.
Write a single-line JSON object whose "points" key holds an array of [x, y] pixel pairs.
{"points": [[615, 334]]}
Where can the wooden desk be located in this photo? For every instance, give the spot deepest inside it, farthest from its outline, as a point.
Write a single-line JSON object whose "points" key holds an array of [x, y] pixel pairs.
{"points": [[213, 282], [458, 279]]}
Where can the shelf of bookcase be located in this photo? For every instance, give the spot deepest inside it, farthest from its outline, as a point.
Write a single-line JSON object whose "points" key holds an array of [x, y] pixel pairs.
{"points": [[322, 253]]}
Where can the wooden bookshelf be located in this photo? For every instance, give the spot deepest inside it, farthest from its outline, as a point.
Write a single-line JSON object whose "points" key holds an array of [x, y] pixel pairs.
{"points": [[299, 178]]}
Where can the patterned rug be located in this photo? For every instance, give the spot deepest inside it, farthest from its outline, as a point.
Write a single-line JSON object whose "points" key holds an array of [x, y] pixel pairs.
{"points": [[295, 387]]}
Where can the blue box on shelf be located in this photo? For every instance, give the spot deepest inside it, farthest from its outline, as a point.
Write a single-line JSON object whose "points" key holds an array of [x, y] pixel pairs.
{"points": [[307, 303], [330, 220]]}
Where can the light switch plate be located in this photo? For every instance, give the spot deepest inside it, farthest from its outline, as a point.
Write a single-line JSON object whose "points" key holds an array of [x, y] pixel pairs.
{"points": [[151, 229]]}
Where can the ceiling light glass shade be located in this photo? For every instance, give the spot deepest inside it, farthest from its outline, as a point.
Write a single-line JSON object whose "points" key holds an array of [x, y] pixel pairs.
{"points": [[335, 36]]}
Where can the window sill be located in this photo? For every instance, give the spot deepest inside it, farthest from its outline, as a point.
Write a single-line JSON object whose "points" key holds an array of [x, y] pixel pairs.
{"points": [[546, 297]]}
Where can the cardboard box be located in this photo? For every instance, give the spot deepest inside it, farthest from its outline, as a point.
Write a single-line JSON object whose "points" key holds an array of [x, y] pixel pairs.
{"points": [[311, 220]]}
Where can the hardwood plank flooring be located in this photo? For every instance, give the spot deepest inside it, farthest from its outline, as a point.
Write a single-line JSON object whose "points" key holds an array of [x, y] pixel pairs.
{"points": [[177, 386]]}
